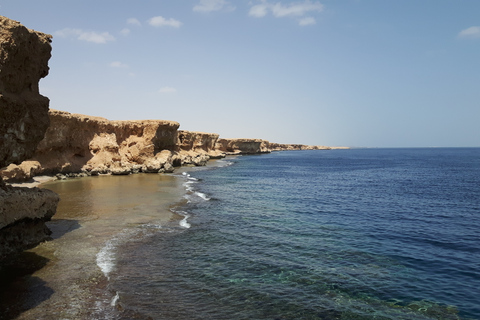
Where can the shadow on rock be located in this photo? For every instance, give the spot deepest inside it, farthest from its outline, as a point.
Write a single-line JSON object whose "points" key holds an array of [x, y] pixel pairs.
{"points": [[19, 290]]}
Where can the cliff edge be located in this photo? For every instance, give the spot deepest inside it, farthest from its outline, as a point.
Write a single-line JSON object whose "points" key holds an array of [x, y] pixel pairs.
{"points": [[24, 56]]}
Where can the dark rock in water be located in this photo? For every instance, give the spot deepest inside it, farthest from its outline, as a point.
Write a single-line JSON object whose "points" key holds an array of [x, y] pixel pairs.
{"points": [[23, 213]]}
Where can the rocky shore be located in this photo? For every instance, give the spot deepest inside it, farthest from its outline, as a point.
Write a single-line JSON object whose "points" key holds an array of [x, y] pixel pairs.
{"points": [[77, 144], [36, 141], [24, 118]]}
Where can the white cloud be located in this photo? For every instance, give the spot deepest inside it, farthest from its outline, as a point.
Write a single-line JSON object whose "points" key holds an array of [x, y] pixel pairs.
{"points": [[118, 64], [294, 9], [259, 10], [125, 31], [161, 21], [472, 32], [167, 90], [213, 5], [90, 36], [307, 21], [133, 22]]}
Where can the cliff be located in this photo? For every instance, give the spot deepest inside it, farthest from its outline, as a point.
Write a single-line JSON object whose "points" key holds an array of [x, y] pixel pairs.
{"points": [[197, 147], [79, 144], [24, 56], [243, 146], [75, 143]]}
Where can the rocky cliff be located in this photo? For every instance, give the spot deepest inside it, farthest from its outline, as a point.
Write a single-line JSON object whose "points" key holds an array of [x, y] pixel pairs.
{"points": [[24, 56], [198, 147], [76, 143], [243, 146]]}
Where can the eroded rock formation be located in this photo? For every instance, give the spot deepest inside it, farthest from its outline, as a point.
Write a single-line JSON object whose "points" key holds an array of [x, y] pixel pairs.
{"points": [[243, 146], [198, 147], [75, 143], [24, 56]]}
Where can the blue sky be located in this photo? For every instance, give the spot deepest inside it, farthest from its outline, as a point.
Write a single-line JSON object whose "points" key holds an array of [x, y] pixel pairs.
{"points": [[360, 73]]}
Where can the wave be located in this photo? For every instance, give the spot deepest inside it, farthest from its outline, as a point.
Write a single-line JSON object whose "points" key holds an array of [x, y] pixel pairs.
{"points": [[106, 257]]}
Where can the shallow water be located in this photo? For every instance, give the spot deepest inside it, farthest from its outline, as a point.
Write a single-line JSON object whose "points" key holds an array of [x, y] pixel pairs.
{"points": [[69, 278]]}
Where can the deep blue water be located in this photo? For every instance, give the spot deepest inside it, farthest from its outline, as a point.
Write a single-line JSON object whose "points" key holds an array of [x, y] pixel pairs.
{"points": [[339, 234]]}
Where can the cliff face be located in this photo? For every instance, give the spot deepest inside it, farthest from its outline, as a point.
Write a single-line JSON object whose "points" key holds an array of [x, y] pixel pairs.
{"points": [[75, 143], [196, 148], [243, 146], [24, 55]]}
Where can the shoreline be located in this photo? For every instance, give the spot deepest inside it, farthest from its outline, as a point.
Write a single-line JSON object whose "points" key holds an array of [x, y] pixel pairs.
{"points": [[70, 275]]}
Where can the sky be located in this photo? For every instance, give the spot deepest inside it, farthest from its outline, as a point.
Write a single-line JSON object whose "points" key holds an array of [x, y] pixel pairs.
{"points": [[357, 73]]}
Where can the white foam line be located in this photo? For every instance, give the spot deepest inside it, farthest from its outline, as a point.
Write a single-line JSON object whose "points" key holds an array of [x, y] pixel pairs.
{"points": [[115, 299], [106, 257], [184, 223], [202, 195]]}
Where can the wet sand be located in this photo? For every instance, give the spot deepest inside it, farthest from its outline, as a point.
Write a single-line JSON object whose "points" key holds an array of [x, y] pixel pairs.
{"points": [[67, 278]]}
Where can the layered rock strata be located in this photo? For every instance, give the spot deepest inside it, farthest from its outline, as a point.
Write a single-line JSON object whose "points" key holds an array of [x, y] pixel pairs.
{"points": [[243, 146], [76, 143], [24, 56], [198, 147]]}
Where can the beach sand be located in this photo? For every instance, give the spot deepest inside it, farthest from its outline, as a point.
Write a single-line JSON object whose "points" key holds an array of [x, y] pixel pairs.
{"points": [[67, 278]]}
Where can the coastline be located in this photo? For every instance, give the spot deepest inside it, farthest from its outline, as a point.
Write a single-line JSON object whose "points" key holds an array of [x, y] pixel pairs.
{"points": [[70, 275]]}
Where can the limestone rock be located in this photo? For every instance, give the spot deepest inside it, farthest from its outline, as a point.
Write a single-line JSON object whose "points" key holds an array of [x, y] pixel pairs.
{"points": [[23, 213], [75, 143], [24, 56], [242, 146]]}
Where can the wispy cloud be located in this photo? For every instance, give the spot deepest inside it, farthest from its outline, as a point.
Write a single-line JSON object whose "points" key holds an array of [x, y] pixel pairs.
{"points": [[161, 22], [118, 64], [90, 36], [472, 32], [133, 22], [294, 9], [213, 5], [307, 21], [125, 31], [167, 90]]}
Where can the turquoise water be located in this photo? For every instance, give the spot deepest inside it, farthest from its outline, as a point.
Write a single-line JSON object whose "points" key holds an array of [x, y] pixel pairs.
{"points": [[340, 234]]}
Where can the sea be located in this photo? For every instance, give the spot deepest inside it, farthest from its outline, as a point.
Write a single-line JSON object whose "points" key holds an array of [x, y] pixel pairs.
{"points": [[318, 234], [338, 234]]}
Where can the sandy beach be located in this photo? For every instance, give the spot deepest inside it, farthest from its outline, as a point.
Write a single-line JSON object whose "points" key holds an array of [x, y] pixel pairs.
{"points": [[67, 278]]}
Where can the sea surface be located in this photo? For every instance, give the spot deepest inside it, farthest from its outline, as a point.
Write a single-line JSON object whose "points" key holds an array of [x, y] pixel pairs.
{"points": [[339, 234], [322, 234]]}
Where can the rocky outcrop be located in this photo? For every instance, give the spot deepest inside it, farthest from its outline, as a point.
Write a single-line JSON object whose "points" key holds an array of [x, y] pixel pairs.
{"points": [[243, 146], [76, 143], [196, 148], [89, 145], [292, 147], [255, 146], [24, 56], [23, 213]]}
